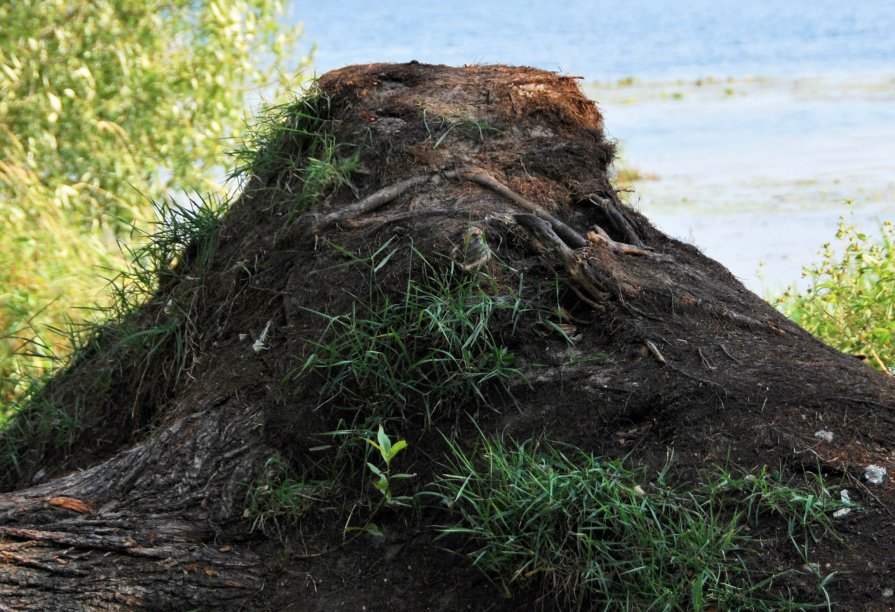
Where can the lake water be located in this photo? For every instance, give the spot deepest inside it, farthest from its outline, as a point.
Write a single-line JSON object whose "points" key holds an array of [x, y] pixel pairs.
{"points": [[757, 119], [756, 172], [603, 40]]}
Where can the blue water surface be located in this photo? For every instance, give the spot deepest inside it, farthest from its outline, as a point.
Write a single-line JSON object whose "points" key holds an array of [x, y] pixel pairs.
{"points": [[610, 39]]}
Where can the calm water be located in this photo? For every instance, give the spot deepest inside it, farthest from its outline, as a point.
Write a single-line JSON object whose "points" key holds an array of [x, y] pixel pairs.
{"points": [[610, 39], [752, 170]]}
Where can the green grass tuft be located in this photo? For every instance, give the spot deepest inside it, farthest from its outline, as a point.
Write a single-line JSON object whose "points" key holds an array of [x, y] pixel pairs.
{"points": [[425, 350], [595, 538], [806, 507], [279, 499], [292, 151]]}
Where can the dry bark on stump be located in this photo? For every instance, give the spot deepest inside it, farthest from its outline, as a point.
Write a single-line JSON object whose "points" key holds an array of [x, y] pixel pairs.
{"points": [[515, 162]]}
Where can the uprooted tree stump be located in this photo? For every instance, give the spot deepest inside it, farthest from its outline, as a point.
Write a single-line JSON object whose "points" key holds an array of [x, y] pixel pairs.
{"points": [[628, 344]]}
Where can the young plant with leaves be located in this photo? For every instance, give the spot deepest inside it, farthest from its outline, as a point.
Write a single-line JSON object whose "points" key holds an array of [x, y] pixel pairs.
{"points": [[385, 476]]}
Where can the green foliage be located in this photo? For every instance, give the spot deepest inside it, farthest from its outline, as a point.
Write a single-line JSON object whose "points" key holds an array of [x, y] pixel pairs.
{"points": [[279, 499], [152, 346], [850, 302], [103, 95], [39, 425], [805, 507], [596, 538], [104, 106], [385, 476], [293, 148], [429, 348]]}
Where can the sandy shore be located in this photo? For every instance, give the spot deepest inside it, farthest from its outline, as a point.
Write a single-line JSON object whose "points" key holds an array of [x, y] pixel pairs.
{"points": [[756, 171]]}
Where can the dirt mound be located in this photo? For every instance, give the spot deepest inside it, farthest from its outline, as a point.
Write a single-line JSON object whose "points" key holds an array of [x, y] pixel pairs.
{"points": [[437, 255]]}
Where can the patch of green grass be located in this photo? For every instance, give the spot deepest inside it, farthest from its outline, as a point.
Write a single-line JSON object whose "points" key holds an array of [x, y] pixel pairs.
{"points": [[429, 348], [151, 319], [850, 301], [595, 538], [38, 425], [181, 234], [292, 150], [279, 498], [806, 507]]}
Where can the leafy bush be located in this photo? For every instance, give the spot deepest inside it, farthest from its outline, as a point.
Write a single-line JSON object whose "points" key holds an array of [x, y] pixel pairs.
{"points": [[850, 302], [106, 105]]}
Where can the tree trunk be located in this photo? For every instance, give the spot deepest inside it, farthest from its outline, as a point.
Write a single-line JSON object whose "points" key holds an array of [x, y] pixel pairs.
{"points": [[142, 528], [503, 171]]}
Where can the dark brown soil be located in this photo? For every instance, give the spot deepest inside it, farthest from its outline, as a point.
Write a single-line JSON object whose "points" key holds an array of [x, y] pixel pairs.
{"points": [[672, 356]]}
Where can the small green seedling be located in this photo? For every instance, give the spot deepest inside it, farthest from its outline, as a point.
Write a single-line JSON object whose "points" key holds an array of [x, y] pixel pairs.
{"points": [[388, 451]]}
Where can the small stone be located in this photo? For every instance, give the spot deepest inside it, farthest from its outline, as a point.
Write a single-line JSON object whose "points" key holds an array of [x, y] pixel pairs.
{"points": [[823, 434], [887, 593], [875, 474]]}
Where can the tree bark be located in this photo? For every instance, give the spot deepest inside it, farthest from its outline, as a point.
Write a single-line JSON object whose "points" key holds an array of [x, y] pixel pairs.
{"points": [[140, 529]]}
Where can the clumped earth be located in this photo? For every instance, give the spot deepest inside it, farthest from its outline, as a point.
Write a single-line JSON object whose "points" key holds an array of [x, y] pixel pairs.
{"points": [[438, 252]]}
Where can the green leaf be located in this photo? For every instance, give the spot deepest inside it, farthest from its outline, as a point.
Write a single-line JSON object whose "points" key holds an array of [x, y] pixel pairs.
{"points": [[397, 448], [374, 445], [371, 528], [385, 445], [696, 594]]}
